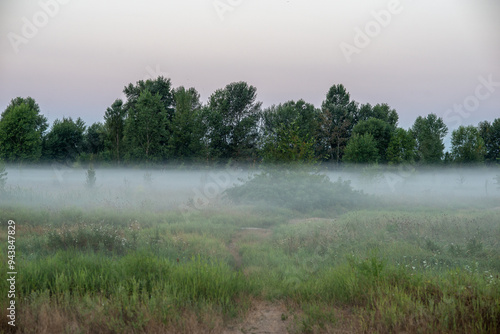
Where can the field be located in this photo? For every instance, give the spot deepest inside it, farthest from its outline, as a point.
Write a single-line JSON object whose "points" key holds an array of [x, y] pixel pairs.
{"points": [[146, 254]]}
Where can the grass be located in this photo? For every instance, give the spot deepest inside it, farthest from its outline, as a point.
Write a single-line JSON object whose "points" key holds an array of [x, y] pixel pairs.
{"points": [[384, 269]]}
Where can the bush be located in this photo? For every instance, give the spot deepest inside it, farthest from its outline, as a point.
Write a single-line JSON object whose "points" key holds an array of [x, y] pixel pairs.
{"points": [[297, 189]]}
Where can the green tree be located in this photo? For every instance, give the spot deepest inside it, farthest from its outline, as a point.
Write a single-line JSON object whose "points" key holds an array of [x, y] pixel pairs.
{"points": [[491, 136], [146, 128], [401, 147], [159, 86], [379, 111], [338, 117], [305, 116], [231, 118], [467, 146], [286, 144], [429, 133], [381, 132], [95, 138], [21, 131], [361, 149], [65, 140], [114, 118], [186, 141]]}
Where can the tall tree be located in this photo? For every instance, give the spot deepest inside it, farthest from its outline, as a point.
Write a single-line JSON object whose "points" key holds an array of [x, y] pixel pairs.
{"points": [[381, 132], [429, 133], [159, 86], [231, 118], [146, 128], [338, 117], [491, 136], [186, 141], [379, 111], [21, 131], [95, 138], [114, 118], [162, 88], [305, 116], [65, 140], [401, 147], [467, 146], [361, 149]]}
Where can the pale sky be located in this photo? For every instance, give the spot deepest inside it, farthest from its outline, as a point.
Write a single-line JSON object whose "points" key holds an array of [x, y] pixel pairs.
{"points": [[427, 56]]}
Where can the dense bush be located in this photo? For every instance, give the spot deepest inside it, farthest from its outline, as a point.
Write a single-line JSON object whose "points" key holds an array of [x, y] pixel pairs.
{"points": [[297, 189]]}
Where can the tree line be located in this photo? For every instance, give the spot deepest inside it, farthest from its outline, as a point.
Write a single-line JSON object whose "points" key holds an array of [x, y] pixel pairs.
{"points": [[158, 123]]}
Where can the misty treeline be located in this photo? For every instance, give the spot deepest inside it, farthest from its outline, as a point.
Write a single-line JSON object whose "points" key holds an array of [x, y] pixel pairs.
{"points": [[158, 123]]}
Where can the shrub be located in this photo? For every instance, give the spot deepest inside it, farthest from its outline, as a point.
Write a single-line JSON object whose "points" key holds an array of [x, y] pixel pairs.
{"points": [[298, 190]]}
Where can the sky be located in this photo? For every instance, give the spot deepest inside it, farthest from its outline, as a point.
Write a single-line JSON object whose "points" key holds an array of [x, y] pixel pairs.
{"points": [[74, 57]]}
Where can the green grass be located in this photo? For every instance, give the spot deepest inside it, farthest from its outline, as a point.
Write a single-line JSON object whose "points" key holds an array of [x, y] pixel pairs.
{"points": [[424, 270]]}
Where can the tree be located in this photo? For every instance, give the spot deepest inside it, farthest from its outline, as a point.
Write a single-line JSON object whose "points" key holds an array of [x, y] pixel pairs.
{"points": [[231, 118], [338, 117], [146, 128], [361, 149], [95, 138], [21, 131], [160, 86], [305, 116], [401, 147], [429, 133], [381, 132], [379, 111], [114, 118], [467, 146], [186, 141], [491, 136], [286, 144], [64, 142]]}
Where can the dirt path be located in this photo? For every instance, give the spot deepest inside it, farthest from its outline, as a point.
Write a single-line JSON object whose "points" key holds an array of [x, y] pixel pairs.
{"points": [[263, 318]]}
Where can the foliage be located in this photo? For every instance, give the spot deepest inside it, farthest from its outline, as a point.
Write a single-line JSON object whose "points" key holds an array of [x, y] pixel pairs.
{"points": [[21, 131], [296, 189], [186, 141], [337, 118], [467, 146], [231, 118], [146, 128], [380, 111], [429, 133], [401, 147], [381, 132], [65, 140], [491, 136], [114, 118], [361, 149], [94, 138], [285, 145]]}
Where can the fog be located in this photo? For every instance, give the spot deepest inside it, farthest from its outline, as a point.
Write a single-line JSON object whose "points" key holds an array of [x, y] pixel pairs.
{"points": [[58, 186]]}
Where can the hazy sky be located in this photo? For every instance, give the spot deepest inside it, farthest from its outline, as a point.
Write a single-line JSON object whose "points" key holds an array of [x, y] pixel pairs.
{"points": [[426, 56]]}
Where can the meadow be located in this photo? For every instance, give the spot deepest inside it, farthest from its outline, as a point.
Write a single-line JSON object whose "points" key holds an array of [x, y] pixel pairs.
{"points": [[308, 253]]}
